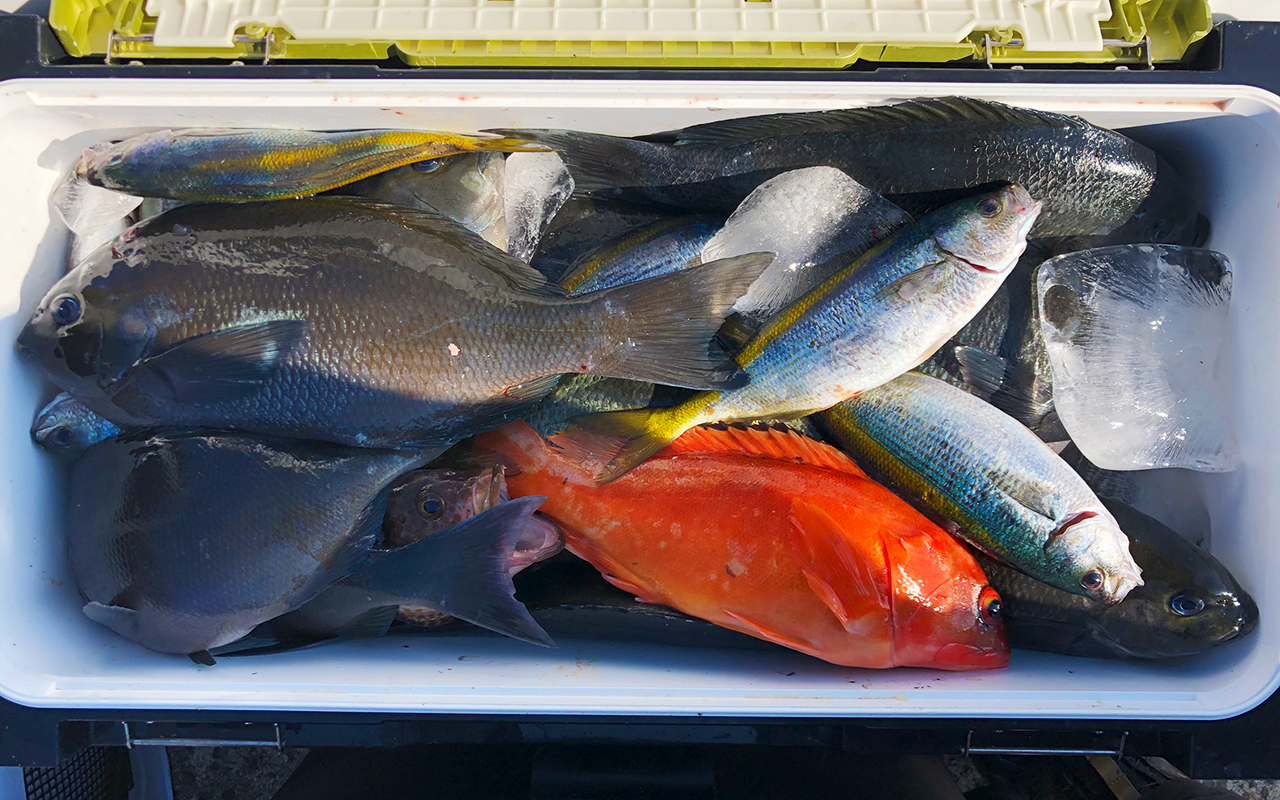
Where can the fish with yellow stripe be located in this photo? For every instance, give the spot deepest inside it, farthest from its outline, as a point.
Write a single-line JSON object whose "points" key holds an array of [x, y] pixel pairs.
{"points": [[863, 326], [228, 165], [660, 248], [988, 479]]}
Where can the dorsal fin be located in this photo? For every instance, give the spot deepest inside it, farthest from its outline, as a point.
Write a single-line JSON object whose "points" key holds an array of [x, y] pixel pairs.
{"points": [[963, 110], [514, 273], [764, 441]]}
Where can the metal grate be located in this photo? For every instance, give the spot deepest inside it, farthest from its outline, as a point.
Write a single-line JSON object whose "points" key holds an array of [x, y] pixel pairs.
{"points": [[95, 773]]}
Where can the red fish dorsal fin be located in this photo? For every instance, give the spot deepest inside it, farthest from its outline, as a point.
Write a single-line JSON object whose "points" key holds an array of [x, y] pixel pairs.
{"points": [[836, 573], [759, 441]]}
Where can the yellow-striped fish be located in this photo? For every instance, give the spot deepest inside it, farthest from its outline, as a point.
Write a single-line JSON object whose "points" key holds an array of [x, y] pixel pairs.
{"points": [[224, 165], [862, 327]]}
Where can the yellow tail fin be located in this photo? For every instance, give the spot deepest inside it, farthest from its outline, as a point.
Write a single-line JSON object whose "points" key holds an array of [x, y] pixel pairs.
{"points": [[614, 443]]}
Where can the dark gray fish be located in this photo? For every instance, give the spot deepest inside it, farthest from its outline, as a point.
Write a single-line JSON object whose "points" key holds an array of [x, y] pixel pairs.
{"points": [[1189, 602], [462, 571], [583, 224], [183, 543], [66, 427], [356, 322], [919, 155]]}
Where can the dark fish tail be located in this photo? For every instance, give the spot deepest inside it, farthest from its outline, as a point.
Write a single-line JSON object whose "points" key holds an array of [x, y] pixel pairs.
{"points": [[600, 162], [463, 571], [672, 321]]}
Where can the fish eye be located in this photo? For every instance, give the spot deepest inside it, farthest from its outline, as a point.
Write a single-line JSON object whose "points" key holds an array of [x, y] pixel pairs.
{"points": [[1092, 579], [1160, 230], [61, 436], [430, 165], [988, 207], [431, 506], [66, 310], [989, 607], [1186, 605]]}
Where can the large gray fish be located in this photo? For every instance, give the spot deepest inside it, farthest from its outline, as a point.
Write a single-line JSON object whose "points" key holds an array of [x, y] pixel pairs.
{"points": [[465, 188], [989, 480], [355, 322], [187, 542], [1188, 603], [918, 154]]}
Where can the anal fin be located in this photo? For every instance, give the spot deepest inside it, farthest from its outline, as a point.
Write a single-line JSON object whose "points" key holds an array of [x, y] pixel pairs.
{"points": [[763, 631]]}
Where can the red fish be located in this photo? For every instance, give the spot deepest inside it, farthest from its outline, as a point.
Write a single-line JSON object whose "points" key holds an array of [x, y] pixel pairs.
{"points": [[776, 535]]}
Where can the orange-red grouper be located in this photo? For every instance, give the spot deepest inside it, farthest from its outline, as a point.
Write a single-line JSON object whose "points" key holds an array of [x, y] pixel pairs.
{"points": [[776, 535]]}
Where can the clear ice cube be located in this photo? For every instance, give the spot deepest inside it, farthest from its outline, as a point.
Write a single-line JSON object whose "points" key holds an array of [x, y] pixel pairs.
{"points": [[1135, 335]]}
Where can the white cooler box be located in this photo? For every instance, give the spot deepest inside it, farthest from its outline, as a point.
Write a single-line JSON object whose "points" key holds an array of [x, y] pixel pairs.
{"points": [[1225, 139]]}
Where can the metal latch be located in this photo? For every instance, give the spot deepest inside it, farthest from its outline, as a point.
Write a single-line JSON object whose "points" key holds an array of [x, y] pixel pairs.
{"points": [[164, 734], [1044, 743], [1144, 46]]}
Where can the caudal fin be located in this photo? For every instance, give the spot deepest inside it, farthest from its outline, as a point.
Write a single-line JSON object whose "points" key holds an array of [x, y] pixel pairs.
{"points": [[674, 319], [463, 571], [611, 445]]}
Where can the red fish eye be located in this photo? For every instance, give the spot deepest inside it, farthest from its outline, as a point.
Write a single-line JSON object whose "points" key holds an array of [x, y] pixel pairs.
{"points": [[1092, 579], [989, 606]]}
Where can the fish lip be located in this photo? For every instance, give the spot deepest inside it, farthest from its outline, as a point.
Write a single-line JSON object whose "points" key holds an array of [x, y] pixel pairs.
{"points": [[978, 267]]}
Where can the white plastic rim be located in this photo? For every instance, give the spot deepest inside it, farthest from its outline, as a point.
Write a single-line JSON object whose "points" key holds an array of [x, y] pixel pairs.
{"points": [[1226, 139]]}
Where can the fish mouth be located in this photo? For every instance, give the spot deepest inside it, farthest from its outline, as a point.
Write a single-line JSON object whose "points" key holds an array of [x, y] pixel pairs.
{"points": [[962, 259], [966, 656], [541, 539], [1246, 621]]}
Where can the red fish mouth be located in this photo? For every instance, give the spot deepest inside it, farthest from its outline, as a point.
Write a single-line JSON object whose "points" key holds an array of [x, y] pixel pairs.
{"points": [[965, 656]]}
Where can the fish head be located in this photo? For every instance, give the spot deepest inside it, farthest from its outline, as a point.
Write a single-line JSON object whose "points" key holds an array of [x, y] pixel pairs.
{"points": [[117, 165], [1189, 600], [66, 427], [427, 501], [84, 334], [1092, 557], [945, 615], [988, 231]]}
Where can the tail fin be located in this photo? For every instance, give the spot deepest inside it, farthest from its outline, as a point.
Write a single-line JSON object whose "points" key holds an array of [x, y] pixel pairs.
{"points": [[674, 319], [598, 161], [613, 444], [464, 571]]}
